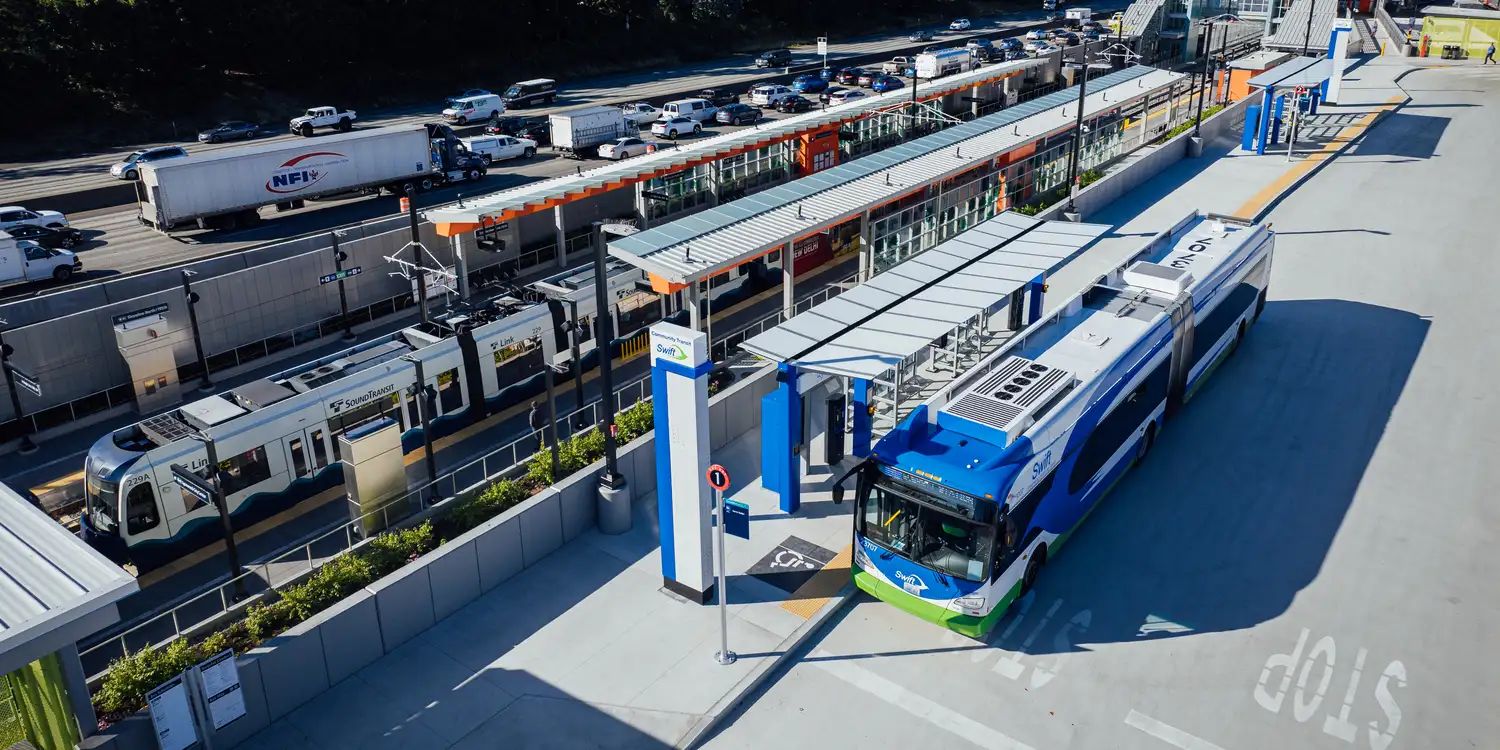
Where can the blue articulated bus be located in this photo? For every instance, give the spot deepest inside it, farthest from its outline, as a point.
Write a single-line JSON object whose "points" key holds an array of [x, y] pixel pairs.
{"points": [[962, 504]]}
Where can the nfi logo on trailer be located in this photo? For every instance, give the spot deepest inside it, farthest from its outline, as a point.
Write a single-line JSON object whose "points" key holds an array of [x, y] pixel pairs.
{"points": [[302, 172]]}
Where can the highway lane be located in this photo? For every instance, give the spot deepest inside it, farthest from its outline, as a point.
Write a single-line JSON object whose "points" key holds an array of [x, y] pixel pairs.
{"points": [[23, 180]]}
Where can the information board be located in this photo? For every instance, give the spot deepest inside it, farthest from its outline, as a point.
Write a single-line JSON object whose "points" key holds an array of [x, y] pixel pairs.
{"points": [[172, 716], [221, 689]]}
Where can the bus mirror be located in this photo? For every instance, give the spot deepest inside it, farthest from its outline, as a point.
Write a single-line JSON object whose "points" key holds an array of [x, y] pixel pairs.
{"points": [[838, 494]]}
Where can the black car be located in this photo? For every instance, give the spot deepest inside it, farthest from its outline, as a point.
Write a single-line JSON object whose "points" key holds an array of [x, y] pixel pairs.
{"points": [[229, 131], [539, 131], [794, 103], [53, 237], [719, 97], [508, 125], [850, 76]]}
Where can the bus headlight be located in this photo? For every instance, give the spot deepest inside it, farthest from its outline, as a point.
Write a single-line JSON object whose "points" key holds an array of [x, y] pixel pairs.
{"points": [[861, 559], [971, 602]]}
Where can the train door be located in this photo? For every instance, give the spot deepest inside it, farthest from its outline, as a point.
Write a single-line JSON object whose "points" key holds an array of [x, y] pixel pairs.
{"points": [[306, 452]]}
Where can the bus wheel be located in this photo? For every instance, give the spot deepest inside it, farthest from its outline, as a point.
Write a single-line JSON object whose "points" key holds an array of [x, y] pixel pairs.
{"points": [[1147, 440], [1033, 568]]}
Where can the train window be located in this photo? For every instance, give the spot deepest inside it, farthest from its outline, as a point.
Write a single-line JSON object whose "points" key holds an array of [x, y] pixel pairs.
{"points": [[743, 269], [774, 256], [245, 470], [190, 503], [450, 395], [299, 458], [413, 413], [320, 453], [140, 509]]}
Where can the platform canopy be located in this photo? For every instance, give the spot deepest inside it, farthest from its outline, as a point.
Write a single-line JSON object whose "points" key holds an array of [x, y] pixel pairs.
{"points": [[674, 157], [873, 327], [1303, 71], [54, 589], [706, 243]]}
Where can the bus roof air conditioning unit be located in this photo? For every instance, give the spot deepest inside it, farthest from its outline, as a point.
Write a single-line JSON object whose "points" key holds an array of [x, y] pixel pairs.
{"points": [[1009, 399], [1158, 278]]}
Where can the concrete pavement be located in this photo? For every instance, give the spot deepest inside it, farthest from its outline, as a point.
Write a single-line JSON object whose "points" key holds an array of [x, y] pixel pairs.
{"points": [[1303, 560]]}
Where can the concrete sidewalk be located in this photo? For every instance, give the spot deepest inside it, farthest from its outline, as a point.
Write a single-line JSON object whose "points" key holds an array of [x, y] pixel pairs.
{"points": [[586, 650]]}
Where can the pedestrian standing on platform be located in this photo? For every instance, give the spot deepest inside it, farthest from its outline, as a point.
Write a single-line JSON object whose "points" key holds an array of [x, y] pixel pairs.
{"points": [[536, 419], [1489, 55]]}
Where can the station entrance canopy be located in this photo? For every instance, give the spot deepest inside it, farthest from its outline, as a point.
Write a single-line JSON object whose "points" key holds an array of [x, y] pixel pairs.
{"points": [[1308, 72], [874, 327], [511, 204], [706, 243]]}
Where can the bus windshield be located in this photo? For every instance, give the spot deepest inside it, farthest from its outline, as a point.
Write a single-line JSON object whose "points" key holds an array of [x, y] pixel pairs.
{"points": [[891, 516]]}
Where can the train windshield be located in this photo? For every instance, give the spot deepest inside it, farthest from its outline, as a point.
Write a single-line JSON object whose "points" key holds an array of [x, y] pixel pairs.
{"points": [[102, 497], [925, 529]]}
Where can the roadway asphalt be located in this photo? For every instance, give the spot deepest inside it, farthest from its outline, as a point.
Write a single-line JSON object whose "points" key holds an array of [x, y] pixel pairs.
{"points": [[210, 567], [1306, 559], [23, 180]]}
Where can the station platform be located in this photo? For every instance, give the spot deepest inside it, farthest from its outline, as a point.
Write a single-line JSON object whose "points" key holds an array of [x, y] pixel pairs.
{"points": [[585, 649]]}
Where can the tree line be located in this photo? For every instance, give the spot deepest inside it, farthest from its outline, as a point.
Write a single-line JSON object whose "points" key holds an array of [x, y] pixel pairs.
{"points": [[136, 65]]}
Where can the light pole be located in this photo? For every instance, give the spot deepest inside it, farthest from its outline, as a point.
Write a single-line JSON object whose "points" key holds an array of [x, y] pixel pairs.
{"points": [[424, 406], [216, 477], [416, 252], [27, 446], [603, 332], [1307, 36], [192, 306], [1203, 88], [1083, 92], [339, 256]]}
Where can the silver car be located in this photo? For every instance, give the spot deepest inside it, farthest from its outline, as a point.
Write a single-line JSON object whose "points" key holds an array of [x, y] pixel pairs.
{"points": [[128, 169]]}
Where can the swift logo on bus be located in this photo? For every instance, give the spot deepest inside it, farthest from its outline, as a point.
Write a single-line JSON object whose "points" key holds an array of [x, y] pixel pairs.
{"points": [[911, 584]]}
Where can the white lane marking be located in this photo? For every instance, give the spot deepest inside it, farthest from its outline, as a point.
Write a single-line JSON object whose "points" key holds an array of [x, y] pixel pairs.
{"points": [[1168, 733], [918, 706]]}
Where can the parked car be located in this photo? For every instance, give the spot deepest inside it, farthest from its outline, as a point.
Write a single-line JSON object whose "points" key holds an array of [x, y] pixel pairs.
{"points": [[978, 42], [867, 79], [471, 92], [769, 94], [493, 148], [1035, 35], [127, 169], [1090, 34], [739, 114], [846, 95], [1055, 33], [1069, 39], [539, 131], [793, 104], [229, 131], [719, 97], [809, 84], [13, 216], [850, 76], [961, 24], [1043, 48], [507, 125], [887, 83], [675, 127], [623, 148], [776, 58], [641, 113], [1015, 54], [1095, 25], [828, 94], [920, 36], [58, 237], [697, 109], [322, 117]]}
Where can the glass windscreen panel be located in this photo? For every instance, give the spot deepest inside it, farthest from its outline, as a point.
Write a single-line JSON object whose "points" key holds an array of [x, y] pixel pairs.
{"points": [[938, 532], [102, 497]]}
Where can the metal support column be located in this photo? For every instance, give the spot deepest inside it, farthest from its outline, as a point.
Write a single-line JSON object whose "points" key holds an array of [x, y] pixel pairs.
{"points": [[788, 284], [642, 206], [461, 262], [192, 306], [560, 236], [695, 307], [866, 249], [77, 684], [716, 183]]}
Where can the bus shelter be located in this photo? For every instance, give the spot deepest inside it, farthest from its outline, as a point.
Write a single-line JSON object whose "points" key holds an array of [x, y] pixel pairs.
{"points": [[1319, 76], [897, 339], [55, 591]]}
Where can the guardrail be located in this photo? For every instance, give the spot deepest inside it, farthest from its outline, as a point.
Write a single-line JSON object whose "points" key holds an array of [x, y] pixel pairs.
{"points": [[229, 597]]}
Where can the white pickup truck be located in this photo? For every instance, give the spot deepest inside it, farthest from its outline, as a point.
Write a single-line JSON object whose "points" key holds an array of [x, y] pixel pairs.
{"points": [[897, 66], [322, 117]]}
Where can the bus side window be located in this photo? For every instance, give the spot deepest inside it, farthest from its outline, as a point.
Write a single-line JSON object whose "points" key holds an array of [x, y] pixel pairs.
{"points": [[320, 453], [140, 509]]}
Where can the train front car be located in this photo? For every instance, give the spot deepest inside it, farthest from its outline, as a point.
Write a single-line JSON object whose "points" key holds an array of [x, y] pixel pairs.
{"points": [[114, 461]]}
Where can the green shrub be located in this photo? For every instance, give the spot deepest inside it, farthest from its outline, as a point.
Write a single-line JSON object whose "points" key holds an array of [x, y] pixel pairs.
{"points": [[636, 421], [394, 549], [265, 620], [1029, 210], [1089, 177], [496, 499], [338, 578], [1185, 127], [135, 674]]}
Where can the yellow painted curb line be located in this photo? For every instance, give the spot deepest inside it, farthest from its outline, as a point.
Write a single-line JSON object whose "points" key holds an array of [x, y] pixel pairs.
{"points": [[1258, 203]]}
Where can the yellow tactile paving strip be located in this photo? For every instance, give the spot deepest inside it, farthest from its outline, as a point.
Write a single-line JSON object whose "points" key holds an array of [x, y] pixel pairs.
{"points": [[1263, 198], [811, 596]]}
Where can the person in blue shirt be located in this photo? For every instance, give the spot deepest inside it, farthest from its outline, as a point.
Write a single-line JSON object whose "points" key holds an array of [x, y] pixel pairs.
{"points": [[1489, 55]]}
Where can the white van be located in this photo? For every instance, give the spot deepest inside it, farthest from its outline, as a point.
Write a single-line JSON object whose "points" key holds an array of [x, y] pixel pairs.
{"points": [[694, 109], [474, 109]]}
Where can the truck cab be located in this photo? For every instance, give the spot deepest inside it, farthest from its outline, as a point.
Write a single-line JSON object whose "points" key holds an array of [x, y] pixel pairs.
{"points": [[24, 260]]}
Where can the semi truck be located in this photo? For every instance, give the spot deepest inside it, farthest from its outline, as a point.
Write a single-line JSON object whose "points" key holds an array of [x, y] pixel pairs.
{"points": [[226, 189], [579, 132], [944, 62]]}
